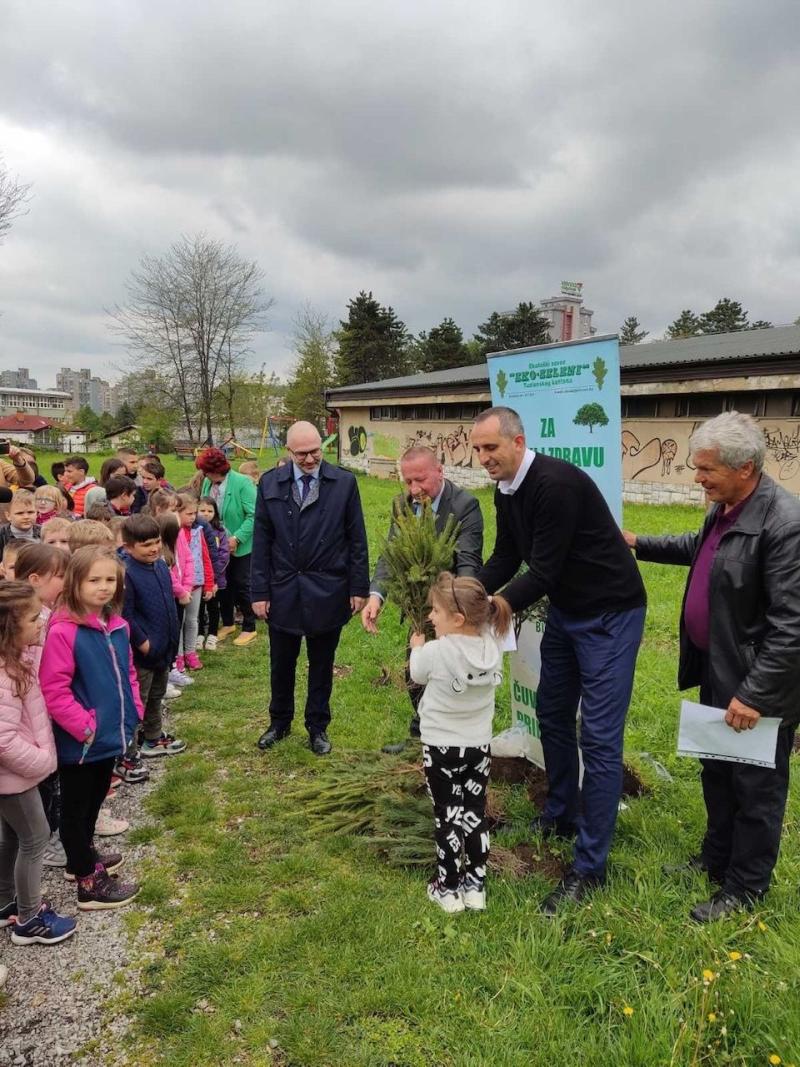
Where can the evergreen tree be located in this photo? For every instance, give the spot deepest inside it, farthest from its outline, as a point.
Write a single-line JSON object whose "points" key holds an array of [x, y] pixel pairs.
{"points": [[442, 348], [125, 415], [761, 324], [727, 316], [313, 370], [630, 332], [521, 328], [373, 343], [687, 324], [86, 419], [415, 554]]}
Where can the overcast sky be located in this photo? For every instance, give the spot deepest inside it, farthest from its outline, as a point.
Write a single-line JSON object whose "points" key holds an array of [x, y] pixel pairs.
{"points": [[455, 158]]}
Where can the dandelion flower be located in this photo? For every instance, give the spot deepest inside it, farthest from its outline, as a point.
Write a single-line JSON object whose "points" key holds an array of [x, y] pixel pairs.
{"points": [[775, 1059], [712, 1016], [708, 976], [762, 926], [734, 955], [627, 1010]]}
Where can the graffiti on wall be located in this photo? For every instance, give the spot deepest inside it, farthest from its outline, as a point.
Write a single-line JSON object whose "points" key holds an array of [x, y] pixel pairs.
{"points": [[783, 449], [358, 440], [653, 450], [656, 453], [452, 447]]}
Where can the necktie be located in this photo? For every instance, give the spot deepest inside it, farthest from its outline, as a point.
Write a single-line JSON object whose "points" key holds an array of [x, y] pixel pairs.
{"points": [[306, 479]]}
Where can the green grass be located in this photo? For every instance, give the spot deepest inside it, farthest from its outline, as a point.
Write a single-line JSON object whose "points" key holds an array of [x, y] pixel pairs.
{"points": [[263, 932]]}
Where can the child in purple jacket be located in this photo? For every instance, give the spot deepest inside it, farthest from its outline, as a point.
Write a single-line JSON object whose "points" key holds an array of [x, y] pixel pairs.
{"points": [[209, 609]]}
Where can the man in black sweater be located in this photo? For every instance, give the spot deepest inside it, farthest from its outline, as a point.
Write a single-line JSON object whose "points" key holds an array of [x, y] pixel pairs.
{"points": [[552, 517]]}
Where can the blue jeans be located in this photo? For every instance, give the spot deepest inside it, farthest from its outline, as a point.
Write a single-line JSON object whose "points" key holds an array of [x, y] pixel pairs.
{"points": [[591, 660]]}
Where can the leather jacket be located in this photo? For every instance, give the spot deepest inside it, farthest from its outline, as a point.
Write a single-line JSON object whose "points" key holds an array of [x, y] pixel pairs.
{"points": [[754, 603]]}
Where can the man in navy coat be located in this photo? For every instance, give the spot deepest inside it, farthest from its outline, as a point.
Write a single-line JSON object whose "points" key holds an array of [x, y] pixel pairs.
{"points": [[309, 576]]}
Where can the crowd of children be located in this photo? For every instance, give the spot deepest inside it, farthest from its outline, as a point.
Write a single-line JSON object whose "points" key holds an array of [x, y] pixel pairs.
{"points": [[108, 589]]}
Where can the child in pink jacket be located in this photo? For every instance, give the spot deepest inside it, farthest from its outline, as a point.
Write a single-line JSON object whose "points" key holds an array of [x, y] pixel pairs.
{"points": [[27, 757], [177, 554]]}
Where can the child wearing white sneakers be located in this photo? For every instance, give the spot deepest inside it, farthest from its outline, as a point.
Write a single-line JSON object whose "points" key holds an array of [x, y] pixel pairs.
{"points": [[460, 671]]}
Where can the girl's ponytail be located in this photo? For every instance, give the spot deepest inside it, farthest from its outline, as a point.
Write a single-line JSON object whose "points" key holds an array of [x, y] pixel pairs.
{"points": [[500, 615]]}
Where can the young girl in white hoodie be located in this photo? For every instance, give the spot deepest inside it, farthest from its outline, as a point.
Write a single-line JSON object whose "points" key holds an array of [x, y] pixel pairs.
{"points": [[460, 671]]}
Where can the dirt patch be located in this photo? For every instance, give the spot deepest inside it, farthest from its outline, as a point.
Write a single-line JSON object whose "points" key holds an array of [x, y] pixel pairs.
{"points": [[512, 769], [342, 671], [632, 784], [522, 860], [388, 677], [518, 771], [542, 862]]}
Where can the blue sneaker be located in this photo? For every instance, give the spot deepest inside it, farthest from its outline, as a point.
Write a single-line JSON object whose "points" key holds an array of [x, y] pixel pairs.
{"points": [[45, 928], [8, 914]]}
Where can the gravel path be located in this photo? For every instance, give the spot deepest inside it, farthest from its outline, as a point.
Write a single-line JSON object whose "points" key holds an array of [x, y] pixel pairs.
{"points": [[56, 996]]}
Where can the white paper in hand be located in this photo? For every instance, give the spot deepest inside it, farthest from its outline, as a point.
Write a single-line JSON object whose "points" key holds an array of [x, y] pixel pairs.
{"points": [[508, 640], [704, 734]]}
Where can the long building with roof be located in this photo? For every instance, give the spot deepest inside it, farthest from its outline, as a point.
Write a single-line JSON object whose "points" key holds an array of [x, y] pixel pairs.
{"points": [[667, 388]]}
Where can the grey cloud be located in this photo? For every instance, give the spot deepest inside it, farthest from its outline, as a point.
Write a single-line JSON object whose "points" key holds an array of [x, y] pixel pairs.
{"points": [[452, 158]]}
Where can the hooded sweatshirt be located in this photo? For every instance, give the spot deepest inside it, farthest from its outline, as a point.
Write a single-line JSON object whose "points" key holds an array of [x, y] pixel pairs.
{"points": [[460, 674]]}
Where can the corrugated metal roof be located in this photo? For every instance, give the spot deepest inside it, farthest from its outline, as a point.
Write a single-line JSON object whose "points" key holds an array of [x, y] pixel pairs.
{"points": [[720, 347], [744, 344], [477, 373]]}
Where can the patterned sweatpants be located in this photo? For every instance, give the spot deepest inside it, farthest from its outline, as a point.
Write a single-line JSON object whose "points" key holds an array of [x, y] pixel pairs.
{"points": [[457, 781]]}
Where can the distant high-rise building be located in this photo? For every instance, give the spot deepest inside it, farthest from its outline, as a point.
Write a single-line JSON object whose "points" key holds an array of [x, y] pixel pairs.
{"points": [[569, 319], [18, 379], [86, 389]]}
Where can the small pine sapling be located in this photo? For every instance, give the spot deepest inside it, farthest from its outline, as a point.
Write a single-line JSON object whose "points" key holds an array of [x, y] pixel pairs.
{"points": [[415, 555]]}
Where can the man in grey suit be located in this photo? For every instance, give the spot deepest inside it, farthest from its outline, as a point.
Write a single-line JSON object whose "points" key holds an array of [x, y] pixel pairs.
{"points": [[423, 476]]}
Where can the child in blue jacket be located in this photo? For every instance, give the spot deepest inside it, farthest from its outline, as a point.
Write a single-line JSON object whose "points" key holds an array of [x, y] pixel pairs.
{"points": [[149, 609]]}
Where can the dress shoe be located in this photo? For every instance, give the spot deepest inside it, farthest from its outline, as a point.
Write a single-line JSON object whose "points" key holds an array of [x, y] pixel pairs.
{"points": [[549, 828], [319, 743], [694, 865], [573, 886], [272, 736], [721, 904]]}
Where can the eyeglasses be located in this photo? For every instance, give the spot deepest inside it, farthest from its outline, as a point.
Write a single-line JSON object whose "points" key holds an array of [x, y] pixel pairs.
{"points": [[313, 453]]}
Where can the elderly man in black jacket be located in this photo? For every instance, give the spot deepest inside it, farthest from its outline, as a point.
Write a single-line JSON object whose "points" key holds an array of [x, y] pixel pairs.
{"points": [[423, 476], [309, 576], [740, 642]]}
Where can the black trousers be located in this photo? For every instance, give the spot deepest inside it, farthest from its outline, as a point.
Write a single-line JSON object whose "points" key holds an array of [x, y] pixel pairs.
{"points": [[237, 593], [208, 622], [457, 782], [83, 790], [51, 800], [284, 648], [745, 807]]}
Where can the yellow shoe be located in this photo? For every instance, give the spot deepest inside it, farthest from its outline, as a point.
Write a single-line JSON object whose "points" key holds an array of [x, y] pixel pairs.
{"points": [[225, 631], [245, 638]]}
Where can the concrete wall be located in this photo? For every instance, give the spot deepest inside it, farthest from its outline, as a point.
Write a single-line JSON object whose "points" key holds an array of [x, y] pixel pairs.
{"points": [[656, 466]]}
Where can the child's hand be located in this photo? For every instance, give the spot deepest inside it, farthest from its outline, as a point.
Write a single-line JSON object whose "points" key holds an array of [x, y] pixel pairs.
{"points": [[144, 648], [185, 599], [207, 594], [417, 640]]}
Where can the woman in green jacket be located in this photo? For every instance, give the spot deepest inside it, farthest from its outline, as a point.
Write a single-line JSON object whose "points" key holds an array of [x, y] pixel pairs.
{"points": [[235, 495]]}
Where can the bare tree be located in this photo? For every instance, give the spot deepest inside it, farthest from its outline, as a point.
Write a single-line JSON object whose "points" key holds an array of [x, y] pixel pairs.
{"points": [[314, 346], [13, 197], [191, 316]]}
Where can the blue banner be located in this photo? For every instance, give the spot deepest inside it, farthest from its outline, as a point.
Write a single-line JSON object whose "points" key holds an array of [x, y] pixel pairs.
{"points": [[568, 397]]}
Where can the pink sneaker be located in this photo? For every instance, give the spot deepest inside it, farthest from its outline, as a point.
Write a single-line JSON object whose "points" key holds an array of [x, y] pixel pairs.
{"points": [[180, 664], [193, 661]]}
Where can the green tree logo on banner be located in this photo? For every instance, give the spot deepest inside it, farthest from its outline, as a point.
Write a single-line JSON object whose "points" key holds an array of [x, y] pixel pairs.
{"points": [[502, 382], [591, 415], [599, 370]]}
